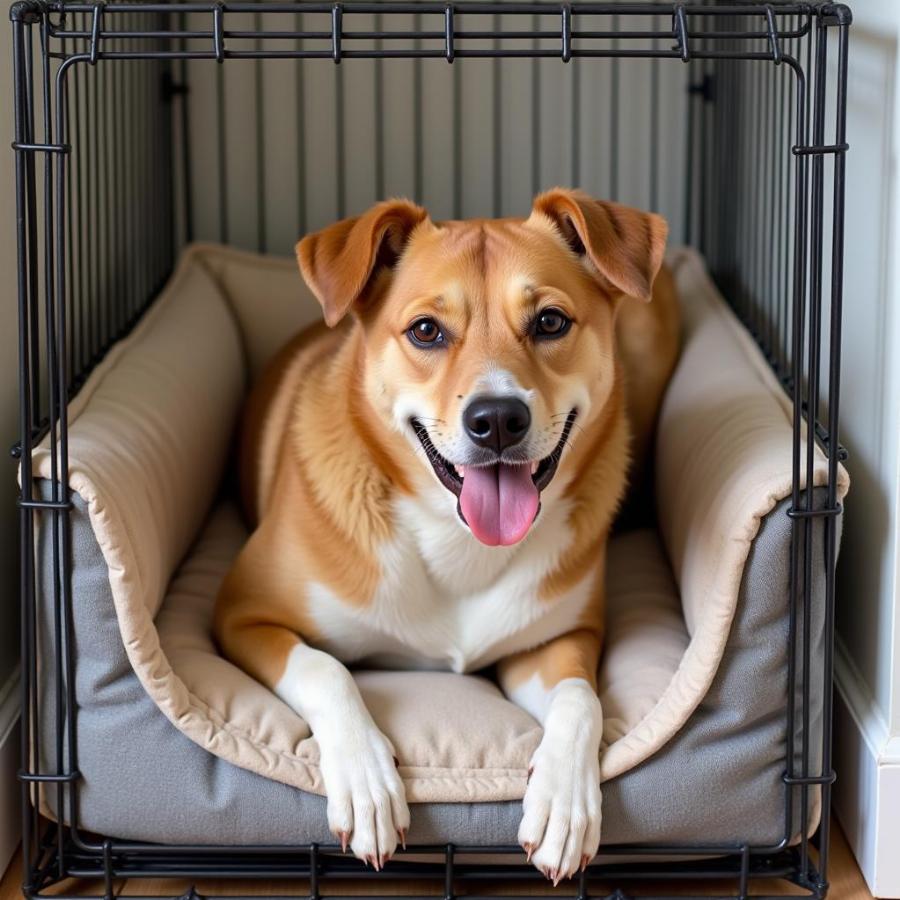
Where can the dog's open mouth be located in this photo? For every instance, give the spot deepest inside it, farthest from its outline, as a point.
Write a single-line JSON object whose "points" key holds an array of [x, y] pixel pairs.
{"points": [[500, 501]]}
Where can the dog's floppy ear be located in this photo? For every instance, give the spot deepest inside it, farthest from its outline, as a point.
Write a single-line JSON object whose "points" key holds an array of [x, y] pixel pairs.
{"points": [[624, 245], [341, 263]]}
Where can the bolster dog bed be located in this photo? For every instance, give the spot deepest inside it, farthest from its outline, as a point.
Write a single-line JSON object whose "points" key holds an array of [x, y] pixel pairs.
{"points": [[177, 744]]}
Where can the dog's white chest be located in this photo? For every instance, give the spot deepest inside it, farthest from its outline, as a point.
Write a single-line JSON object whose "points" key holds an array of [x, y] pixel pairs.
{"points": [[447, 602]]}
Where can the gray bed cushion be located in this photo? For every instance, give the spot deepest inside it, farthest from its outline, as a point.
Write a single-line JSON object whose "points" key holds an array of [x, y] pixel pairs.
{"points": [[719, 779]]}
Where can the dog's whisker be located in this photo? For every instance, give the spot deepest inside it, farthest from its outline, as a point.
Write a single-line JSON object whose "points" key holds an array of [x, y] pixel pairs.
{"points": [[564, 421], [429, 452]]}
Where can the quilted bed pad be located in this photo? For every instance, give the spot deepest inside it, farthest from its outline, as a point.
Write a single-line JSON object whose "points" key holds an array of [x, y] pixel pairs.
{"points": [[149, 439]]}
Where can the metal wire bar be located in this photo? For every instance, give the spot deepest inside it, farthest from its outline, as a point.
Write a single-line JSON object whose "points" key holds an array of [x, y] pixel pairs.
{"points": [[418, 115], [680, 10], [440, 53], [614, 122], [379, 137], [536, 108], [457, 34], [834, 383], [300, 83]]}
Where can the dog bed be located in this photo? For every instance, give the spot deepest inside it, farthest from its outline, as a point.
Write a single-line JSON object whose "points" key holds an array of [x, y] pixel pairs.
{"points": [[693, 679]]}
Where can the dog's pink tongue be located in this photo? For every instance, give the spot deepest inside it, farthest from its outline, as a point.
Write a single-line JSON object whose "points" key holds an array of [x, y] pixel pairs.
{"points": [[499, 503]]}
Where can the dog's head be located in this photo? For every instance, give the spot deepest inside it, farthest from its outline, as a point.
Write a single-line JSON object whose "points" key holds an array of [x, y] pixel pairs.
{"points": [[487, 341]]}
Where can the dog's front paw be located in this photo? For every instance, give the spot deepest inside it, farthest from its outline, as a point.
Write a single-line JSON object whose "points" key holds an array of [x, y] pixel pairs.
{"points": [[560, 828], [366, 799]]}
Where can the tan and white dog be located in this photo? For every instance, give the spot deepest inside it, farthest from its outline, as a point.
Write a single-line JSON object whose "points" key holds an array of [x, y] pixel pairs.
{"points": [[433, 482]]}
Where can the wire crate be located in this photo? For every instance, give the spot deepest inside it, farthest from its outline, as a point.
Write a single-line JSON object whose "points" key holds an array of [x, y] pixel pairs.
{"points": [[107, 174]]}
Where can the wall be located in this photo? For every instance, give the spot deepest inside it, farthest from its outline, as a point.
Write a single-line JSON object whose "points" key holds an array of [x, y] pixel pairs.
{"points": [[868, 599]]}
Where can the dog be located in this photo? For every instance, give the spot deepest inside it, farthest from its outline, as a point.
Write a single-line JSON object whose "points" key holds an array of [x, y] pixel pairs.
{"points": [[433, 473]]}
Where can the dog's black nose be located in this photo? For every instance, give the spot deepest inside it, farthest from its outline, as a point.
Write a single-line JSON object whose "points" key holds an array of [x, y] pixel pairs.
{"points": [[496, 422]]}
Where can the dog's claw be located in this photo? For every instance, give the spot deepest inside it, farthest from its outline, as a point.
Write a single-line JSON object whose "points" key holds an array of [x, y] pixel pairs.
{"points": [[345, 840], [401, 833], [529, 850], [373, 861], [555, 876], [584, 861]]}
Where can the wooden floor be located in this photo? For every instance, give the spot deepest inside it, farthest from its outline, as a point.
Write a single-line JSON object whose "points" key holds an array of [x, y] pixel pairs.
{"points": [[846, 884]]}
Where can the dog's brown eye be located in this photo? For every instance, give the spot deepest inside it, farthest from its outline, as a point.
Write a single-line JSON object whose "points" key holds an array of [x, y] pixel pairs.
{"points": [[551, 323], [425, 333]]}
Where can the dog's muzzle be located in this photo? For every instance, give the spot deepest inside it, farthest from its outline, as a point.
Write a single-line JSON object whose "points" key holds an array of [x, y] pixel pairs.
{"points": [[499, 500]]}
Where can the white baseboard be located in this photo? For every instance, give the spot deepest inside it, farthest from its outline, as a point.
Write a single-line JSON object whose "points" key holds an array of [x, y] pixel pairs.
{"points": [[867, 792], [10, 812]]}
